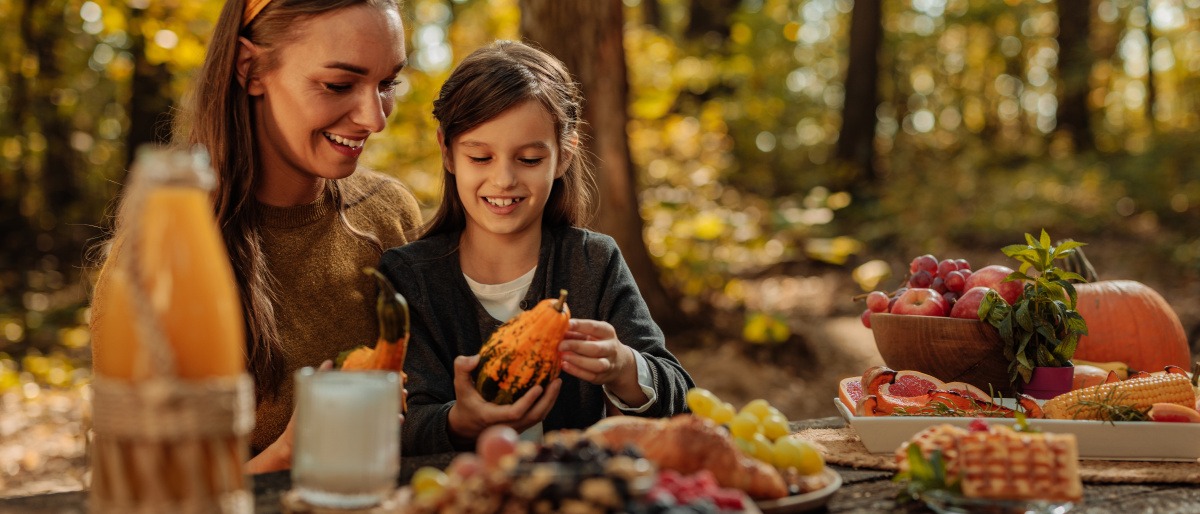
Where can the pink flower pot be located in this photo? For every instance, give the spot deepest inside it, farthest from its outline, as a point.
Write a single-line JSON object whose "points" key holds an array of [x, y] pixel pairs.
{"points": [[1048, 382]]}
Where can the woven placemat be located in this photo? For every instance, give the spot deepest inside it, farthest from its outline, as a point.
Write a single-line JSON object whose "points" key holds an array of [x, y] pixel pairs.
{"points": [[841, 446]]}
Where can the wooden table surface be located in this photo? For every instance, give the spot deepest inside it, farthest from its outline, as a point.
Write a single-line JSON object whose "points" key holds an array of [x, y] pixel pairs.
{"points": [[864, 491]]}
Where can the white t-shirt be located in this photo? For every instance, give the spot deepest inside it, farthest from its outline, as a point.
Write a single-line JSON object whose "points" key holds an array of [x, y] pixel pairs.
{"points": [[503, 301]]}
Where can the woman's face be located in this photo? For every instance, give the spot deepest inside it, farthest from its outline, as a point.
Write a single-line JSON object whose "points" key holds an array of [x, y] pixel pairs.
{"points": [[504, 169], [329, 90]]}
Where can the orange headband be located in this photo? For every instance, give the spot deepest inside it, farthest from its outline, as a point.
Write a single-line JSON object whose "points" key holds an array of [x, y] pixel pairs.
{"points": [[252, 9]]}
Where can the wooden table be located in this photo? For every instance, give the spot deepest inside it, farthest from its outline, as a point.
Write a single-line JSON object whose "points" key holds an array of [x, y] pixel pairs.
{"points": [[865, 491]]}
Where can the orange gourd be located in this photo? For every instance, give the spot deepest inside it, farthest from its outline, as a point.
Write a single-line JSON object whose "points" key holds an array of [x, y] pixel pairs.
{"points": [[1127, 322], [390, 349], [523, 352]]}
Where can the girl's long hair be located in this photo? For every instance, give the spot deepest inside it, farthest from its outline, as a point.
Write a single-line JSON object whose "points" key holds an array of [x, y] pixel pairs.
{"points": [[490, 81], [217, 115]]}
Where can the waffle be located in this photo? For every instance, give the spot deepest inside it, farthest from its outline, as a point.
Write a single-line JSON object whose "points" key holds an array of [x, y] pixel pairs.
{"points": [[1001, 463]]}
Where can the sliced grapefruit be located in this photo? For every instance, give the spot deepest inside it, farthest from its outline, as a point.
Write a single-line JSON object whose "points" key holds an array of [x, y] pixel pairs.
{"points": [[850, 391], [913, 383], [1170, 412]]}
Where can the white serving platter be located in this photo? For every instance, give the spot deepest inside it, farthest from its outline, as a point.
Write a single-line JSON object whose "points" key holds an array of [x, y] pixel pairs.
{"points": [[1097, 440]]}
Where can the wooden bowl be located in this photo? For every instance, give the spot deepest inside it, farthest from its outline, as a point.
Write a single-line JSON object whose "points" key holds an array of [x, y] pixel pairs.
{"points": [[951, 349]]}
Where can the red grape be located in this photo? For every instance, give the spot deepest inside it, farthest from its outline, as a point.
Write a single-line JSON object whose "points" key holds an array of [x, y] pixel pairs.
{"points": [[962, 264], [920, 279], [866, 318], [955, 281], [925, 262], [946, 266], [939, 284], [877, 301], [496, 442], [950, 297]]}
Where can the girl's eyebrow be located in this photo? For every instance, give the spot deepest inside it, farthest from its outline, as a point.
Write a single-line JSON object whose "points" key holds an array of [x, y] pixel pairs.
{"points": [[539, 145]]}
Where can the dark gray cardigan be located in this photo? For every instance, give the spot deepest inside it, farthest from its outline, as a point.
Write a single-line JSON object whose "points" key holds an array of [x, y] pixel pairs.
{"points": [[448, 321]]}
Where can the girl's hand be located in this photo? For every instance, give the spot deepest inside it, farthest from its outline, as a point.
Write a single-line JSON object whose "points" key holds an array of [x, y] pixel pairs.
{"points": [[278, 455], [471, 414], [592, 353]]}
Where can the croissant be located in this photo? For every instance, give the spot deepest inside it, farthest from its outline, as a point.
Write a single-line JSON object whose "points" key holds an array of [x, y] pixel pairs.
{"points": [[688, 444]]}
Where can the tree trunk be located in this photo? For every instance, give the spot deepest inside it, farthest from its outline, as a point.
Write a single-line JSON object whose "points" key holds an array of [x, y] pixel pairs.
{"points": [[856, 143], [588, 37], [150, 102], [1075, 61], [1151, 93], [652, 14], [711, 17]]}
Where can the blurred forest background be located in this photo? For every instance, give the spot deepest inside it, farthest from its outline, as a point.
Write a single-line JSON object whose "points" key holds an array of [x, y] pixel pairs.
{"points": [[762, 160]]}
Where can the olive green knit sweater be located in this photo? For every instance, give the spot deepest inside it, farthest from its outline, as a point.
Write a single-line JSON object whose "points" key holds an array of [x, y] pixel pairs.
{"points": [[326, 304]]}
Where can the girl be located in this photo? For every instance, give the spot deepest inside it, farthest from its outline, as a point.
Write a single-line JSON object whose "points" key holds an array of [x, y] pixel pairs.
{"points": [[288, 96], [505, 236]]}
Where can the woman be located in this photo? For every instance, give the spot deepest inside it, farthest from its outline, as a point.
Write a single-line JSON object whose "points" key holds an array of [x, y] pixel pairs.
{"points": [[287, 98]]}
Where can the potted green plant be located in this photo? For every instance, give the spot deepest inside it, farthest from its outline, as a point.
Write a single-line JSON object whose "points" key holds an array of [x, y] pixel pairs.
{"points": [[1041, 329]]}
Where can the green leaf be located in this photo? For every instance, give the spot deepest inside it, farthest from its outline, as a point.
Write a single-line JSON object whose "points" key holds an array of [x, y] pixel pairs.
{"points": [[1026, 373], [1045, 242], [1070, 246], [1024, 318]]}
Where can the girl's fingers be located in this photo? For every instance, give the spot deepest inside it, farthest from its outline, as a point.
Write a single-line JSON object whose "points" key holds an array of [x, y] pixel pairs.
{"points": [[594, 366], [590, 349], [545, 403], [591, 327]]}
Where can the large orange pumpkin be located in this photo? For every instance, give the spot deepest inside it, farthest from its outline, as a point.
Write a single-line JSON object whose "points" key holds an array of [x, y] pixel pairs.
{"points": [[1127, 321]]}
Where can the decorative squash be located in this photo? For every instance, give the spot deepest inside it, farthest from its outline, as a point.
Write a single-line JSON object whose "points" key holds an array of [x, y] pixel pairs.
{"points": [[392, 310], [523, 352], [1127, 322]]}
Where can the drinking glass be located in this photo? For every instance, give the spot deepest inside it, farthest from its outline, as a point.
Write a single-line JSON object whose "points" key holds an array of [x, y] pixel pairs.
{"points": [[346, 451]]}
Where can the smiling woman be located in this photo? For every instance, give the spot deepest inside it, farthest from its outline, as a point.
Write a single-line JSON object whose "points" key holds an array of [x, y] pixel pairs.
{"points": [[289, 95]]}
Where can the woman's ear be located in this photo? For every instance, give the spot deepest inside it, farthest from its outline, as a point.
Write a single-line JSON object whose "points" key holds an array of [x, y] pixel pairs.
{"points": [[447, 159], [247, 52]]}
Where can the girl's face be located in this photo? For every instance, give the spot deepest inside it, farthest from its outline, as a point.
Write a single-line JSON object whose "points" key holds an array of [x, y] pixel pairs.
{"points": [[329, 90], [504, 169]]}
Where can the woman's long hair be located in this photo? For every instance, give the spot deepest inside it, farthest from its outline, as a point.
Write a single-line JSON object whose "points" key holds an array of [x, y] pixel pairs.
{"points": [[217, 115], [492, 80]]}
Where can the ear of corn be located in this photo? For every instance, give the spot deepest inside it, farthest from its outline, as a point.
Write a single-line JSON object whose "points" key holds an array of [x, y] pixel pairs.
{"points": [[1137, 393]]}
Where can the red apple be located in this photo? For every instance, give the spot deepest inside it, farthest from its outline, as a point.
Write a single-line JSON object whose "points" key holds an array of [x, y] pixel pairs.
{"points": [[920, 301], [967, 305], [993, 277]]}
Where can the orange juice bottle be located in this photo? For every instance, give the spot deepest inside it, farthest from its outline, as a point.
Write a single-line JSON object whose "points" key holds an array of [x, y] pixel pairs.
{"points": [[166, 311]]}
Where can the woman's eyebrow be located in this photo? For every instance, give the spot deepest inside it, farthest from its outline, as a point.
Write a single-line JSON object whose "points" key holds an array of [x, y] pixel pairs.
{"points": [[359, 70]]}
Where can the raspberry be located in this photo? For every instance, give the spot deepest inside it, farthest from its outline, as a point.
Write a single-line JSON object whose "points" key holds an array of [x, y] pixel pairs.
{"points": [[978, 425]]}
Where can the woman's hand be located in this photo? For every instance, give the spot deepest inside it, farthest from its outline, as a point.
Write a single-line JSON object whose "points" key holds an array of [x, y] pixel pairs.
{"points": [[278, 455], [471, 414], [592, 353]]}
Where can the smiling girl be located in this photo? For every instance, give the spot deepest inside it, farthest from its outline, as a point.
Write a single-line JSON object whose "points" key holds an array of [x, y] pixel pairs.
{"points": [[516, 191], [288, 97]]}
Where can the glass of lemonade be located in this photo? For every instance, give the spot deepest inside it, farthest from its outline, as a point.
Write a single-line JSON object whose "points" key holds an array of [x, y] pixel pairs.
{"points": [[346, 452]]}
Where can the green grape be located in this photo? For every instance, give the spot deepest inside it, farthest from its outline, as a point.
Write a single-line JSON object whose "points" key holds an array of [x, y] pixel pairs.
{"points": [[701, 402], [744, 425], [786, 452], [721, 413], [793, 452], [759, 408], [772, 411], [775, 426], [429, 480], [762, 448]]}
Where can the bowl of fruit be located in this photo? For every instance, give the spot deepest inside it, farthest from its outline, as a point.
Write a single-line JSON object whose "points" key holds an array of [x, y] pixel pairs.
{"points": [[932, 325]]}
